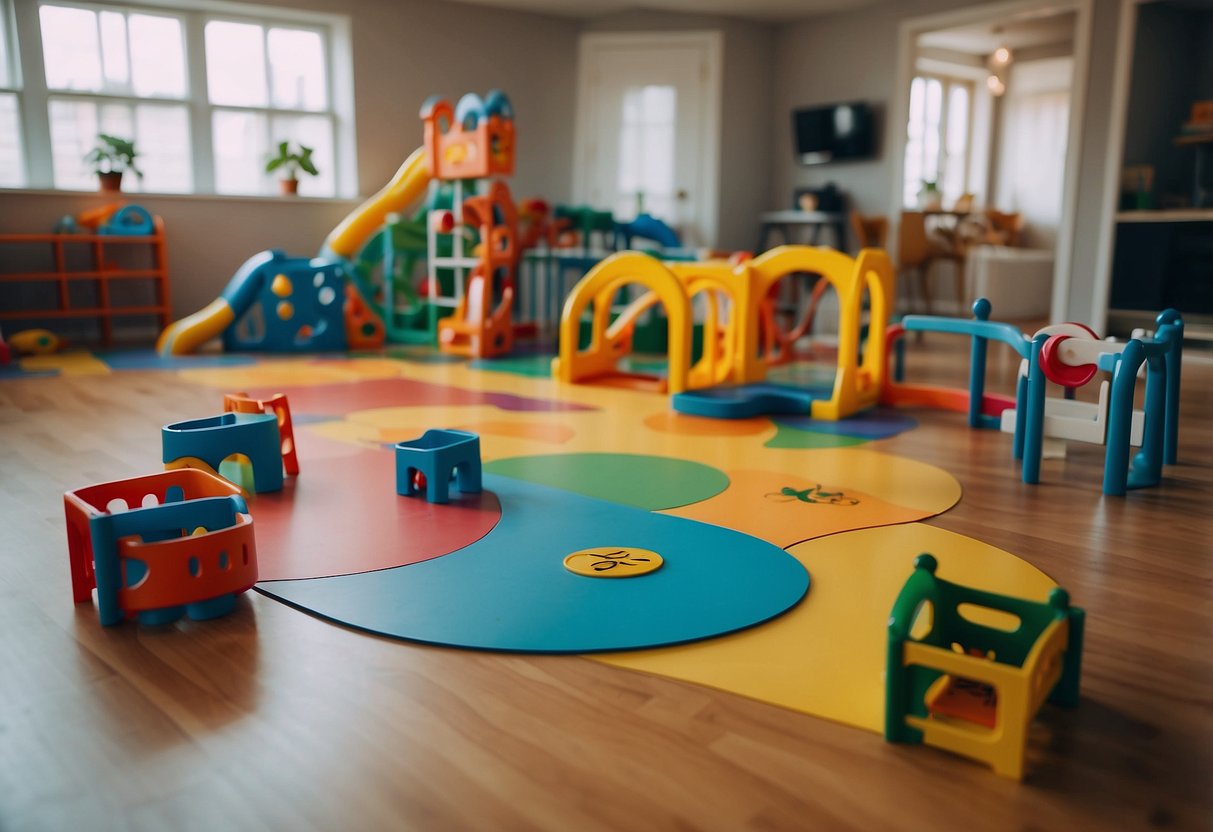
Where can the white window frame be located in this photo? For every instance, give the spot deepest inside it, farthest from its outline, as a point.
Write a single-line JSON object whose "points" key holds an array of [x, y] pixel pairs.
{"points": [[947, 83], [11, 81], [34, 97]]}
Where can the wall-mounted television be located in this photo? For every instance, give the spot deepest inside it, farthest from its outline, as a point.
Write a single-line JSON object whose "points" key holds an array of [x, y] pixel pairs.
{"points": [[833, 132]]}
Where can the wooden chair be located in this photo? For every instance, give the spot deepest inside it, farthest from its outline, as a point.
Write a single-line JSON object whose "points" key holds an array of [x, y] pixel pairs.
{"points": [[917, 253], [870, 231], [1004, 229]]}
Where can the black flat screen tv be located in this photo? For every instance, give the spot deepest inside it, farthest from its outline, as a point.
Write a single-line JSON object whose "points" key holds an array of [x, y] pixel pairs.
{"points": [[833, 132]]}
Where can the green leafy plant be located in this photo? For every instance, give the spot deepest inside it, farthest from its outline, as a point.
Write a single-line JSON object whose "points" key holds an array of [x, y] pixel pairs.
{"points": [[290, 161], [113, 155]]}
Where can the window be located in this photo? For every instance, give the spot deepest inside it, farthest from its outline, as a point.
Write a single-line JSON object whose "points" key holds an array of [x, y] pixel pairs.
{"points": [[12, 159], [205, 96], [102, 66], [937, 138], [276, 76], [646, 151]]}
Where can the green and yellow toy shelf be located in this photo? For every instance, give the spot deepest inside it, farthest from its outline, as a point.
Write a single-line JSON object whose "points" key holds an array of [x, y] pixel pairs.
{"points": [[973, 688]]}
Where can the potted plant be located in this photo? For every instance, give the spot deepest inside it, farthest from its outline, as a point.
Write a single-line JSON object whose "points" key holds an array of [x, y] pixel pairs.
{"points": [[929, 197], [290, 162], [112, 157]]}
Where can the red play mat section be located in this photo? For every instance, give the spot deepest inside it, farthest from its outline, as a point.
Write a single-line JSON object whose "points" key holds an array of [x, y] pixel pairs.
{"points": [[342, 515]]}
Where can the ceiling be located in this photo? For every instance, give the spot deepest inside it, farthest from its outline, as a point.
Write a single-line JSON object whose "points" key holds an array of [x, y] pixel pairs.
{"points": [[753, 9], [984, 38]]}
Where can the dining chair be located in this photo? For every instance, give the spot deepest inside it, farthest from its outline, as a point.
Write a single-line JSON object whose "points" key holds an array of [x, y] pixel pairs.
{"points": [[870, 230], [1006, 229], [917, 253]]}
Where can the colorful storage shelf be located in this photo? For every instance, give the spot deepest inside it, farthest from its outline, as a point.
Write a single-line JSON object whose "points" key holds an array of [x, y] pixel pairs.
{"points": [[93, 279]]}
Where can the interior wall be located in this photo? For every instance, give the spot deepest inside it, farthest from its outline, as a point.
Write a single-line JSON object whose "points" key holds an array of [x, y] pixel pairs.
{"points": [[745, 138], [404, 51]]}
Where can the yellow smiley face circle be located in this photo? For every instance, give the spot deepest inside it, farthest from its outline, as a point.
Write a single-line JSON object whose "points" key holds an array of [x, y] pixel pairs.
{"points": [[613, 562]]}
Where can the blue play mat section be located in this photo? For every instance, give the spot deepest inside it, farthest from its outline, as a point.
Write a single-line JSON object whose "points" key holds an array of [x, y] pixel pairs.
{"points": [[748, 400], [510, 590], [880, 423], [151, 360]]}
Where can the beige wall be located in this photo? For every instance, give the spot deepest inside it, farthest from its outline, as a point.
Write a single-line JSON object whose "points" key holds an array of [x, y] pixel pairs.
{"points": [[404, 51]]}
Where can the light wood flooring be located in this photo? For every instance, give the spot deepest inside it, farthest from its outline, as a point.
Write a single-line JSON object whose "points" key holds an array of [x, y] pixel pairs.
{"points": [[271, 719]]}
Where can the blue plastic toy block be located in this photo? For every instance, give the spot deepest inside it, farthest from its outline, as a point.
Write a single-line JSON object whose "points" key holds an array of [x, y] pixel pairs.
{"points": [[439, 456], [214, 439]]}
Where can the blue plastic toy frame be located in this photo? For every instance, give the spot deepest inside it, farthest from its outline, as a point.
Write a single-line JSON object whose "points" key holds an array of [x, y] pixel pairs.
{"points": [[1162, 358]]}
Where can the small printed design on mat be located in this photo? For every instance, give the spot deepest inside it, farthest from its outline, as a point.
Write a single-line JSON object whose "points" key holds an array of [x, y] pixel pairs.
{"points": [[812, 495], [613, 562]]}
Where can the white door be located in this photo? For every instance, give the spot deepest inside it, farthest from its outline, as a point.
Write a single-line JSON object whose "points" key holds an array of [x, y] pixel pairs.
{"points": [[648, 128]]}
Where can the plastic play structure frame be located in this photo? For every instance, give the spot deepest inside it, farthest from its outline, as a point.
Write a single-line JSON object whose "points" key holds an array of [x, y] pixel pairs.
{"points": [[732, 351], [329, 303], [939, 685], [1069, 354]]}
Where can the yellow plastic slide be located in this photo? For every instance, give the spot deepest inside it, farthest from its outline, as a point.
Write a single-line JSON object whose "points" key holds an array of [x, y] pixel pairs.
{"points": [[188, 334], [406, 187]]}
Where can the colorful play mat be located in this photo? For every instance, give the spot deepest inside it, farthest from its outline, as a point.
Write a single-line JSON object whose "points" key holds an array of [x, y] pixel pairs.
{"points": [[759, 556]]}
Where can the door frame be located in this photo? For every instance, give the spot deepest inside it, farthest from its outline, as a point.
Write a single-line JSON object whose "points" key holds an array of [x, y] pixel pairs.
{"points": [[1063, 252], [711, 45], [1118, 122]]}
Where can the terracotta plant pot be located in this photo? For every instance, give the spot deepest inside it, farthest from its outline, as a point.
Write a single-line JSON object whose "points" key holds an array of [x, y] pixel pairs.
{"points": [[111, 183], [290, 187]]}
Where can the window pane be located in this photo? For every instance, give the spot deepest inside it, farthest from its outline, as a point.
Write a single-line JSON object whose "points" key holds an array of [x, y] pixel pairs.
{"points": [[73, 133], [646, 151], [659, 103], [118, 120], [317, 133], [157, 56], [114, 66], [914, 128], [162, 137], [240, 144], [71, 49], [958, 119], [934, 106], [297, 69], [12, 162], [235, 64], [5, 78], [160, 133]]}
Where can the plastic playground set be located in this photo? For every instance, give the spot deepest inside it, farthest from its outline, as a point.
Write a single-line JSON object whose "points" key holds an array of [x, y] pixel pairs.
{"points": [[710, 515]]}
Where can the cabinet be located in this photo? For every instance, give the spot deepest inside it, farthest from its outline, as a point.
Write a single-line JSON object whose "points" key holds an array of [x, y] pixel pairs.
{"points": [[86, 286], [1163, 259]]}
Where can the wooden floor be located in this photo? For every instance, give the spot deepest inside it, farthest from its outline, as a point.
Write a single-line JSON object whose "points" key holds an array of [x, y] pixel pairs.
{"points": [[271, 719]]}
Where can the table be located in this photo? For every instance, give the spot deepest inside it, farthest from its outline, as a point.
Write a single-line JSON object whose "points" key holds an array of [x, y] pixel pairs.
{"points": [[813, 221]]}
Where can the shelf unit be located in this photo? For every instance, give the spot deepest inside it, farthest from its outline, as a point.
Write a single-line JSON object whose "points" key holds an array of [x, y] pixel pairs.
{"points": [[85, 261]]}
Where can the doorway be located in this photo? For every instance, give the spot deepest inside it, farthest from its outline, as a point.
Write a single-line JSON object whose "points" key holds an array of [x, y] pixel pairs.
{"points": [[648, 128], [986, 132]]}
